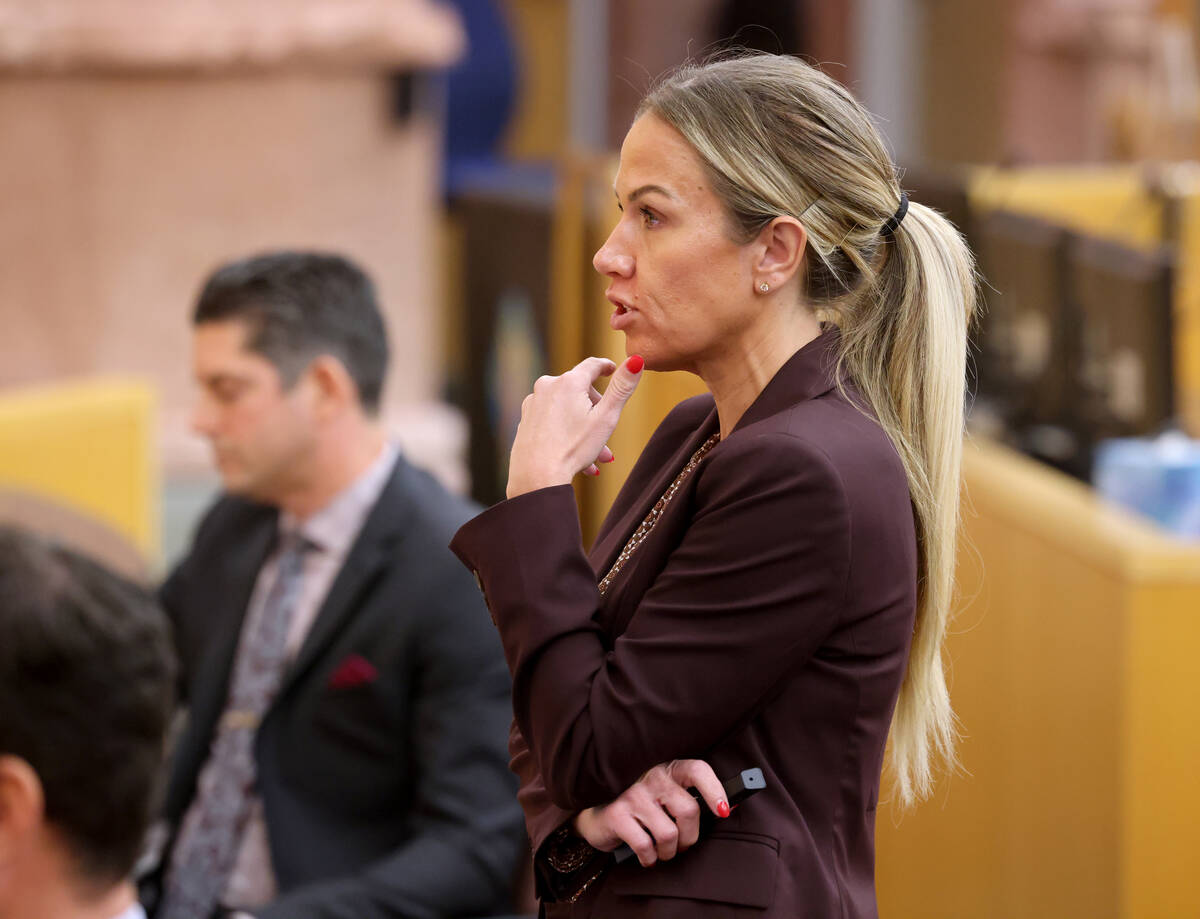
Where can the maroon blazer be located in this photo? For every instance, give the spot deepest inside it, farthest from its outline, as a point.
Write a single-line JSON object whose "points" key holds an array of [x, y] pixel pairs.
{"points": [[765, 621]]}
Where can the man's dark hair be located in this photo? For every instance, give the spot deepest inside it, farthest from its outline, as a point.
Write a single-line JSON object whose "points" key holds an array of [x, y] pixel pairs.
{"points": [[86, 693], [299, 305]]}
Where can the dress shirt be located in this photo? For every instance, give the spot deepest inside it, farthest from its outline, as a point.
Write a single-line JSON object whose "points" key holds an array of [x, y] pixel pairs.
{"points": [[331, 532]]}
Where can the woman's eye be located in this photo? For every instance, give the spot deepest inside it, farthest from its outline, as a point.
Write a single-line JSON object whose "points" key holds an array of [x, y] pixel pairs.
{"points": [[649, 218]]}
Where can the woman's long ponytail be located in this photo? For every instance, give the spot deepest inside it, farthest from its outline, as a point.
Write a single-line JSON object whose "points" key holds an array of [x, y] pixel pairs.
{"points": [[904, 345]]}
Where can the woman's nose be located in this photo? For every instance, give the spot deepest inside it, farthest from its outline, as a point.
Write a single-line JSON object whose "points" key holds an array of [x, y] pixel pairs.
{"points": [[610, 260]]}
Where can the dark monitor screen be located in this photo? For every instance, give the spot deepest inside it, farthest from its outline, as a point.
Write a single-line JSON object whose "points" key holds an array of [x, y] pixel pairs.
{"points": [[1024, 341], [1123, 299]]}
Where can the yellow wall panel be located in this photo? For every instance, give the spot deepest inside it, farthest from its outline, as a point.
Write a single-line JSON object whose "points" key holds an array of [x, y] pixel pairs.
{"points": [[89, 446], [1187, 313], [541, 36], [1111, 202], [1161, 857]]}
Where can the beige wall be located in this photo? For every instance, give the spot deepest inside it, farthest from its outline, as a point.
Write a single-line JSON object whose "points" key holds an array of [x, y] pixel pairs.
{"points": [[121, 192]]}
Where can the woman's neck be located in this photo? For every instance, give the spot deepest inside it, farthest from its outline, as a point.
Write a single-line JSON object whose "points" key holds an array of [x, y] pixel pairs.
{"points": [[741, 372]]}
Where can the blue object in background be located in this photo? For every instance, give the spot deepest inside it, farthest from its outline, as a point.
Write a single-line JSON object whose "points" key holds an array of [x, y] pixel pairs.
{"points": [[1157, 477], [481, 93]]}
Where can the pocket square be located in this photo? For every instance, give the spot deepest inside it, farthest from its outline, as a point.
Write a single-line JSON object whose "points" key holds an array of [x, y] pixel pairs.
{"points": [[355, 670]]}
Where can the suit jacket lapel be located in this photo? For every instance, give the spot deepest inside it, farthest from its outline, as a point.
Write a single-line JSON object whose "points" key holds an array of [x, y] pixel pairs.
{"points": [[217, 666], [232, 600], [371, 552]]}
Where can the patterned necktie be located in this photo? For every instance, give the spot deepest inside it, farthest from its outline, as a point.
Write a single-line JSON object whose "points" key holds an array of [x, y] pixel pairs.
{"points": [[204, 853]]}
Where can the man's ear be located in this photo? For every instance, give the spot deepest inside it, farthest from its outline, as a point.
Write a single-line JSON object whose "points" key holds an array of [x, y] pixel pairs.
{"points": [[781, 243], [334, 387], [22, 806]]}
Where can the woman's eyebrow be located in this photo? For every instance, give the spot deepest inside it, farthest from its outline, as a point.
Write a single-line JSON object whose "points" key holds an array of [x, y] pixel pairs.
{"points": [[643, 190]]}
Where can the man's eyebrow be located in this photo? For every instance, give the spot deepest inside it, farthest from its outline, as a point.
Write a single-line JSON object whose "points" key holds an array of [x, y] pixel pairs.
{"points": [[216, 379], [644, 190]]}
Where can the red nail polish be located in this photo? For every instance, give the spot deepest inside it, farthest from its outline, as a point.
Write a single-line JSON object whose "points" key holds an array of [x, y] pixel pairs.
{"points": [[611, 459], [635, 363], [722, 808]]}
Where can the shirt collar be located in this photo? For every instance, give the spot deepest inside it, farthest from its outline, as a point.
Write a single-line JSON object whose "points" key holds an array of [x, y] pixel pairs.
{"points": [[334, 527], [134, 912]]}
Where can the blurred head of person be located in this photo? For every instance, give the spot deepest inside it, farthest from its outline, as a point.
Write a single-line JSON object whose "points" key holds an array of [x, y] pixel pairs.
{"points": [[86, 692], [290, 354]]}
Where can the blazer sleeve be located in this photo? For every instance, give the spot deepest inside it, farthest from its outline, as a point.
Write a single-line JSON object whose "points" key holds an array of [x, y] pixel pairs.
{"points": [[755, 585], [542, 816]]}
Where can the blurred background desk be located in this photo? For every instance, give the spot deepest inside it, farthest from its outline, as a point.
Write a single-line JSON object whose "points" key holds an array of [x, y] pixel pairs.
{"points": [[1073, 665]]}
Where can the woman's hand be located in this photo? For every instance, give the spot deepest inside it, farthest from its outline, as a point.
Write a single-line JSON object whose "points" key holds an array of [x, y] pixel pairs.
{"points": [[656, 815], [565, 423]]}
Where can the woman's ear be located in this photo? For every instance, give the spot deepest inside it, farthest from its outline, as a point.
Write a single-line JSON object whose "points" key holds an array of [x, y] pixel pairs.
{"points": [[781, 243]]}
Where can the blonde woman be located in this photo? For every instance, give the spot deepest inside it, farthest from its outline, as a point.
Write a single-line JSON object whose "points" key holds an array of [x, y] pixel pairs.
{"points": [[772, 584]]}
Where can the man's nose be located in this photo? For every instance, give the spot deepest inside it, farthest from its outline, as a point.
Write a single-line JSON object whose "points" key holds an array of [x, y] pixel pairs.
{"points": [[202, 418]]}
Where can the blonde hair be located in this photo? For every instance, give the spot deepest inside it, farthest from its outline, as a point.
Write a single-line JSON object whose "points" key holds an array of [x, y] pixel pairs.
{"points": [[778, 136]]}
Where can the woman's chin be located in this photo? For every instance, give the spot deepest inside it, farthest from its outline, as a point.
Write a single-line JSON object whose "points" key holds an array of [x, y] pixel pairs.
{"points": [[637, 344]]}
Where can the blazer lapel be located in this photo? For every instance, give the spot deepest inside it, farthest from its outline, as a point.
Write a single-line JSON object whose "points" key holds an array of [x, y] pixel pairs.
{"points": [[613, 613], [371, 552], [807, 374], [615, 534]]}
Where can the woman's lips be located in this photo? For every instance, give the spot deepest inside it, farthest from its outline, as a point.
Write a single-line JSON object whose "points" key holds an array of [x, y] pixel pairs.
{"points": [[621, 318], [622, 313]]}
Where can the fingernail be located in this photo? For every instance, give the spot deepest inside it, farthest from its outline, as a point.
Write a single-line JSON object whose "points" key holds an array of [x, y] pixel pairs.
{"points": [[635, 363], [611, 459], [722, 808], [593, 472]]}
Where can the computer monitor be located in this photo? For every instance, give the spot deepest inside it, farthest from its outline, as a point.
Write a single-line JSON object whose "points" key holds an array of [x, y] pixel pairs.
{"points": [[1123, 298], [1026, 346]]}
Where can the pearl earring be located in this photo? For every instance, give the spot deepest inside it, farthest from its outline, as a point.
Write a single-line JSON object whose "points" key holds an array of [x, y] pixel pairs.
{"points": [[764, 287]]}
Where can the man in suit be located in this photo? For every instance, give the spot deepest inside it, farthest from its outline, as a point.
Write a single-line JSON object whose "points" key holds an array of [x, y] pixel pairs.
{"points": [[86, 673], [344, 754]]}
